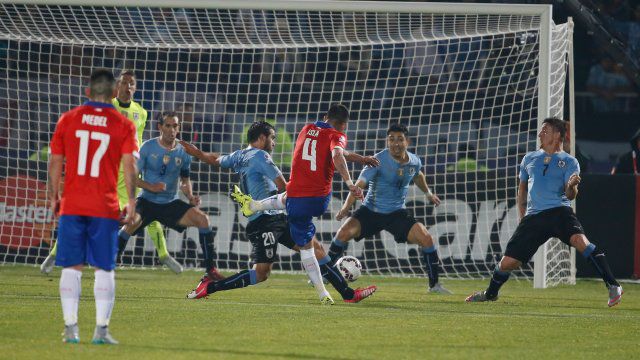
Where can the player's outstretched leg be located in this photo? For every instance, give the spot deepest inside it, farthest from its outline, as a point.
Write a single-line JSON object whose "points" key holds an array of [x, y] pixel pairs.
{"points": [[332, 274], [250, 206], [432, 262], [337, 248], [596, 257], [498, 278], [123, 239], [239, 280], [50, 261]]}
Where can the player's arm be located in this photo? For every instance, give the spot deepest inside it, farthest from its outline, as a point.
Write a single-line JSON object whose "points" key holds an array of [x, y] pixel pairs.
{"points": [[421, 182], [187, 190], [522, 198], [130, 179], [340, 164], [281, 183], [571, 188], [53, 183], [348, 203], [364, 160], [209, 157]]}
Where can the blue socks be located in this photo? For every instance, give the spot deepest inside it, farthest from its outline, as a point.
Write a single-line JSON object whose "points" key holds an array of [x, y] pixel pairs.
{"points": [[239, 280], [497, 280], [336, 249], [205, 235], [432, 262], [123, 239], [330, 272], [599, 261]]}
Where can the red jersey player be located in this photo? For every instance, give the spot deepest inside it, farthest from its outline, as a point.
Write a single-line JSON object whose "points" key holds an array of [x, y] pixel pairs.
{"points": [[93, 139], [319, 150]]}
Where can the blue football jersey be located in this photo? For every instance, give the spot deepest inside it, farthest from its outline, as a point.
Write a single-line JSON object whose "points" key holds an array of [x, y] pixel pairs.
{"points": [[257, 174], [389, 182], [547, 175], [159, 164]]}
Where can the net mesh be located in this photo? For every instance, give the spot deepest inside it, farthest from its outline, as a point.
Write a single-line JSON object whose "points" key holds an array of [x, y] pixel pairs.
{"points": [[466, 85]]}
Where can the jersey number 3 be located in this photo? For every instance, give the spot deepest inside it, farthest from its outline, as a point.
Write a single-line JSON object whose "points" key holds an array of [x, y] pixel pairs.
{"points": [[84, 137], [309, 152]]}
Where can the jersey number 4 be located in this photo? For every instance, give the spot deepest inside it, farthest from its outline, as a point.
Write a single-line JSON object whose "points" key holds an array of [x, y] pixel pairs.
{"points": [[309, 152], [84, 137]]}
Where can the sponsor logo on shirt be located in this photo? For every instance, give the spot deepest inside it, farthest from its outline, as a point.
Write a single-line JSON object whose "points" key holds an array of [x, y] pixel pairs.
{"points": [[561, 163], [178, 161]]}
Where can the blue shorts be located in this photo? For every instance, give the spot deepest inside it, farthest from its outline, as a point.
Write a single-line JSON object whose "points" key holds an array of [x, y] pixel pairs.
{"points": [[301, 212], [87, 239]]}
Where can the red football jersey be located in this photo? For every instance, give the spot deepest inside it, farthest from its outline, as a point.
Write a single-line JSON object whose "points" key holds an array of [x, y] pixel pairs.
{"points": [[92, 138], [312, 166]]}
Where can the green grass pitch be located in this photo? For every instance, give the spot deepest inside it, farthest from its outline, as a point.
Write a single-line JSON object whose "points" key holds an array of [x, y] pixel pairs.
{"points": [[282, 319]]}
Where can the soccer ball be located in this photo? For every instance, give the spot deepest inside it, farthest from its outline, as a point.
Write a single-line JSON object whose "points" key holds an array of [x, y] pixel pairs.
{"points": [[350, 268]]}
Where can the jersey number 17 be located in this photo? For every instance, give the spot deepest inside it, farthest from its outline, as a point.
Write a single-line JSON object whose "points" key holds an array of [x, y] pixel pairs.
{"points": [[84, 136]]}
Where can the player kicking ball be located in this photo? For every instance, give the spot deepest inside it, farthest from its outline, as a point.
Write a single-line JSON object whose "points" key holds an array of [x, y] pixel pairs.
{"points": [[319, 150], [266, 229], [163, 164], [384, 207], [549, 179]]}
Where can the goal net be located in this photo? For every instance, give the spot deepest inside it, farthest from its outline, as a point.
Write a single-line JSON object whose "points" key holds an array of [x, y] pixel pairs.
{"points": [[471, 82]]}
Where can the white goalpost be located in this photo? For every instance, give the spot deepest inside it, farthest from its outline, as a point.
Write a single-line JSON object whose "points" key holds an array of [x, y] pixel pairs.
{"points": [[469, 80]]}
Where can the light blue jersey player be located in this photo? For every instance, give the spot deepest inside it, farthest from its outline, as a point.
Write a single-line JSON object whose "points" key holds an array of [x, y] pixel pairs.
{"points": [[164, 168], [261, 179], [546, 176], [384, 206], [549, 179]]}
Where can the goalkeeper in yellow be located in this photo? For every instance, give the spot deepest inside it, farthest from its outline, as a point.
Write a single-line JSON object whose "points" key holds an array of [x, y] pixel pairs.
{"points": [[123, 102]]}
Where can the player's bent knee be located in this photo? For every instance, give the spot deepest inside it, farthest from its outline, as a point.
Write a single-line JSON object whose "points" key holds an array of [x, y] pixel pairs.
{"points": [[579, 241], [508, 263]]}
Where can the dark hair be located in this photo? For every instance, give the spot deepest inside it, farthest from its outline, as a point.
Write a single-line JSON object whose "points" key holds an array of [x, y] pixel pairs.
{"points": [[101, 82], [339, 113], [127, 72], [397, 127], [166, 114], [258, 128], [558, 125]]}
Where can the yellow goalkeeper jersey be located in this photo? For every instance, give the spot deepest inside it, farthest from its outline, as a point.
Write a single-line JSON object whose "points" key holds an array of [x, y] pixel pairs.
{"points": [[136, 113]]}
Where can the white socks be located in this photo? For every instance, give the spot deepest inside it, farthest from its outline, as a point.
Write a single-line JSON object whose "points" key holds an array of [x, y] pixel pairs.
{"points": [[275, 202], [70, 288], [104, 289], [312, 268]]}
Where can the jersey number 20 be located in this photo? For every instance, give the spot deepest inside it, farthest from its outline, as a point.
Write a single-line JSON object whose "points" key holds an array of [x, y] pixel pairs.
{"points": [[309, 152], [84, 137]]}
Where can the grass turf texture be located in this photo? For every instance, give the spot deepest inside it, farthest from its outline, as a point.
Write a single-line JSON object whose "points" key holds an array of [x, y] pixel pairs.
{"points": [[282, 318]]}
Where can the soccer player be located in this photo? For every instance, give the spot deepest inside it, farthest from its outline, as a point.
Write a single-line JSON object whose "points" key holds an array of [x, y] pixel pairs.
{"points": [[163, 164], [260, 178], [124, 104], [549, 179], [384, 207], [93, 139], [319, 150]]}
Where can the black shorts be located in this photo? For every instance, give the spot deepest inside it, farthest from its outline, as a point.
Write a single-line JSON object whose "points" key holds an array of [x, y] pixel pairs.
{"points": [[534, 230], [265, 233], [398, 223], [167, 214]]}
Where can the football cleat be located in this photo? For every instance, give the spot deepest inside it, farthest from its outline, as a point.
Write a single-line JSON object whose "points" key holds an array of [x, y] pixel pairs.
{"points": [[327, 300], [71, 334], [615, 295], [480, 296], [172, 264], [201, 290], [439, 289], [47, 265], [214, 274], [102, 336], [360, 294], [243, 200]]}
